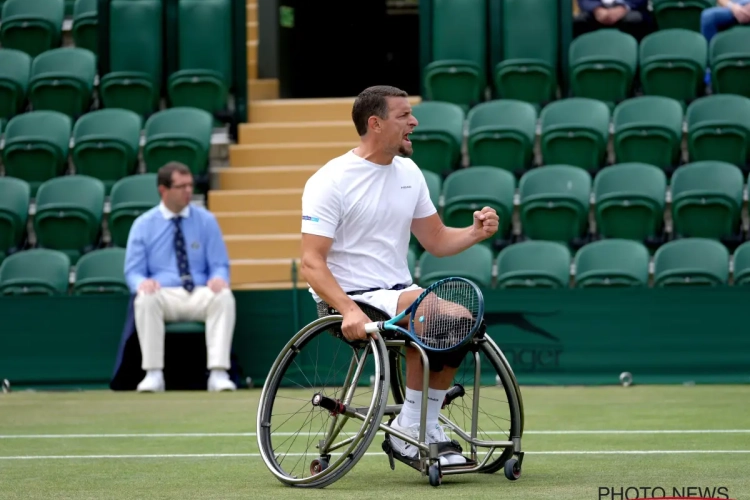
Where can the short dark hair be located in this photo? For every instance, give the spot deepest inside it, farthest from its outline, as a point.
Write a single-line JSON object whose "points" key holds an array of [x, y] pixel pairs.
{"points": [[372, 101], [164, 176]]}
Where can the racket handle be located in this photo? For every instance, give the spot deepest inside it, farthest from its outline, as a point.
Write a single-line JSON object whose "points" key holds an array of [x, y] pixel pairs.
{"points": [[372, 327]]}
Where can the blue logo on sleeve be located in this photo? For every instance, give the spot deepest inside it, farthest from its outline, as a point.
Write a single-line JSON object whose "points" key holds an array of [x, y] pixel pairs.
{"points": [[311, 219]]}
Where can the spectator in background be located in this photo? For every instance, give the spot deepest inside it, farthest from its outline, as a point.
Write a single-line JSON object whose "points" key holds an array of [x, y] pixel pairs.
{"points": [[725, 15], [628, 16], [177, 265]]}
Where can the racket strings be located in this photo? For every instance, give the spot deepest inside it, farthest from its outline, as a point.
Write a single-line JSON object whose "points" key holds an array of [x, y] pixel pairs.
{"points": [[447, 315]]}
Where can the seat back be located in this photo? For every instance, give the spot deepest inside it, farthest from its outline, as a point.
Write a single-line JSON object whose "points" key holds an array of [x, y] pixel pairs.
{"points": [[729, 55], [85, 25], [719, 129], [130, 197], [474, 263], [63, 80], [15, 195], [502, 133], [101, 271], [438, 137], [32, 26], [672, 64], [531, 264], [37, 271], [683, 14], [15, 68], [612, 262], [691, 262], [741, 272], [575, 131], [178, 134]]}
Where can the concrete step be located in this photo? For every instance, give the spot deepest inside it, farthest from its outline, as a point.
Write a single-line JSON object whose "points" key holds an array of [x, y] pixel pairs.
{"points": [[318, 131], [252, 51], [250, 271], [265, 177], [252, 31], [260, 90], [305, 110], [251, 14], [252, 70], [296, 153], [263, 222], [263, 246], [254, 200]]}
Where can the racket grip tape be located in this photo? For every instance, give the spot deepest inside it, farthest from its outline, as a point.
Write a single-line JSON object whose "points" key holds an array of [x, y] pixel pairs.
{"points": [[374, 327]]}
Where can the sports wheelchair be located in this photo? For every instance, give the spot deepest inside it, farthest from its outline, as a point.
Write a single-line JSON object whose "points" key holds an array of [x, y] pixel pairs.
{"points": [[314, 426]]}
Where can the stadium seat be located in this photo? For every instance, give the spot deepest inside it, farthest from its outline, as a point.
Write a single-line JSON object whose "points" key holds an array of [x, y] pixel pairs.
{"points": [[614, 262], [707, 200], [575, 131], [106, 144], [15, 67], [555, 203], [630, 200], [457, 71], [204, 55], [673, 64], [741, 273], [15, 195], [474, 263], [473, 188], [32, 26], [542, 264], [603, 64], [63, 80], [68, 214], [134, 78], [648, 129], [130, 197], [528, 67], [438, 137], [729, 56], [85, 25], [36, 146], [101, 271], [691, 262], [178, 134], [685, 14], [35, 272], [502, 134], [719, 129]]}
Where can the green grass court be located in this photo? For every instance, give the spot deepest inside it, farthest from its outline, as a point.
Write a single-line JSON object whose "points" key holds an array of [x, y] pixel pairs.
{"points": [[182, 445]]}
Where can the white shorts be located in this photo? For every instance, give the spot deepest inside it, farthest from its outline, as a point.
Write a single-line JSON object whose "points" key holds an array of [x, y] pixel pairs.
{"points": [[385, 300]]}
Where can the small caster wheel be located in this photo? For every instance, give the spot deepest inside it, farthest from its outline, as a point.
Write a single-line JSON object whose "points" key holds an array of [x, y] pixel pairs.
{"points": [[318, 465], [512, 469], [435, 476]]}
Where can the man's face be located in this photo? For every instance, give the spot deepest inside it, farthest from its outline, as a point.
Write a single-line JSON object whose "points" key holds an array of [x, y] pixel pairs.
{"points": [[179, 195], [398, 126]]}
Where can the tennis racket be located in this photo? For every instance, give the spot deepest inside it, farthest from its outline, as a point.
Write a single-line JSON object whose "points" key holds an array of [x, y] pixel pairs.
{"points": [[444, 317]]}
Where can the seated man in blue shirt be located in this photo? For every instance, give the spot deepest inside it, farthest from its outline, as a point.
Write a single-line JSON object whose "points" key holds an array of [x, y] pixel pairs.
{"points": [[177, 265], [628, 16]]}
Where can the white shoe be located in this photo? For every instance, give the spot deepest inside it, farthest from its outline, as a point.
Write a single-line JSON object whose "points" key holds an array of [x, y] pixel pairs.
{"points": [[219, 381], [153, 382], [437, 435]]}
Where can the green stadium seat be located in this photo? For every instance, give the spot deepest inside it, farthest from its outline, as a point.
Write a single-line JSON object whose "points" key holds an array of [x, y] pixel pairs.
{"points": [[474, 263], [534, 264], [101, 271], [63, 80], [32, 26], [648, 129], [729, 56], [741, 273], [68, 214], [473, 188], [106, 144], [15, 195], [673, 64], [630, 200], [178, 134], [69, 7], [691, 262], [685, 14], [457, 70], [130, 197], [555, 202], [15, 67], [36, 146], [502, 134], [575, 131], [438, 137], [612, 263], [85, 29], [603, 64], [35, 272], [707, 200], [133, 80], [719, 129]]}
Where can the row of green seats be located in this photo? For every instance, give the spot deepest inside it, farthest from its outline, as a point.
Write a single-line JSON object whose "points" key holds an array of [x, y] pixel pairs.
{"points": [[603, 263], [576, 131], [69, 212], [69, 8], [106, 144]]}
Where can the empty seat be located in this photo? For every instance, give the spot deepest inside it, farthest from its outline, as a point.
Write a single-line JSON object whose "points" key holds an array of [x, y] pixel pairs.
{"points": [[741, 273], [673, 64], [602, 65], [130, 197], [35, 272], [502, 134], [648, 129], [63, 80], [32, 26], [474, 263], [707, 200], [615, 262], [101, 271], [68, 214], [555, 203], [543, 264], [630, 199], [719, 129], [178, 134], [438, 137], [14, 212], [685, 14], [36, 146], [575, 131], [692, 262], [86, 25], [15, 67], [106, 144], [728, 55]]}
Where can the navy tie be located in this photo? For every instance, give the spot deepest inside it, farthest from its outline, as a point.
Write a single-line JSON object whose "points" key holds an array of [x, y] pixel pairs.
{"points": [[180, 250]]}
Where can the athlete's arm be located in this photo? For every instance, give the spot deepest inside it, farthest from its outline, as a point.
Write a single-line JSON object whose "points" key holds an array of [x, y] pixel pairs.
{"points": [[442, 241]]}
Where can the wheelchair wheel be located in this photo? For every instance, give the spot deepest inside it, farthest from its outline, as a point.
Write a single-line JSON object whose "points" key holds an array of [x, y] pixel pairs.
{"points": [[320, 408]]}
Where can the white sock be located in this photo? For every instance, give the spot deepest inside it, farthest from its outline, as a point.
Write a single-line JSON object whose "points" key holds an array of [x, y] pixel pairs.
{"points": [[154, 374], [411, 409], [219, 374], [435, 399]]}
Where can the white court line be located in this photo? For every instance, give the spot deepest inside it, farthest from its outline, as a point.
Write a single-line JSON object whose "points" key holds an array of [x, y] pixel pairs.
{"points": [[369, 454], [253, 434]]}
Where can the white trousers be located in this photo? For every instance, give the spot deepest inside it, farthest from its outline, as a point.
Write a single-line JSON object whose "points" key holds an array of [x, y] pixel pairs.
{"points": [[217, 310]]}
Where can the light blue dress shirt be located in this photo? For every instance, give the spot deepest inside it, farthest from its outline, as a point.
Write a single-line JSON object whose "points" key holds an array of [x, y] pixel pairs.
{"points": [[150, 250]]}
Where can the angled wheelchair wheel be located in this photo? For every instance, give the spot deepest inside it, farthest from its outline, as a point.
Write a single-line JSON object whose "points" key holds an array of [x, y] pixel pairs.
{"points": [[322, 404]]}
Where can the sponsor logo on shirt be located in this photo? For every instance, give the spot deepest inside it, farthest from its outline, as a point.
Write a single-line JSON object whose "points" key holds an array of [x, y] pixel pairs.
{"points": [[311, 219]]}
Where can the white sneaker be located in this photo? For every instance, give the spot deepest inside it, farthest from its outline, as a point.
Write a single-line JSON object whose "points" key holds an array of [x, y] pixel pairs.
{"points": [[437, 435], [153, 382], [219, 381]]}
